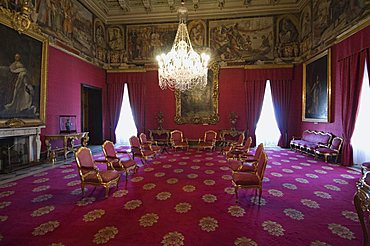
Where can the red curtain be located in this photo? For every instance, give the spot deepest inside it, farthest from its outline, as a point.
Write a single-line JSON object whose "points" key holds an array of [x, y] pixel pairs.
{"points": [[136, 93], [255, 84], [254, 93], [115, 95], [135, 86], [352, 72], [281, 92]]}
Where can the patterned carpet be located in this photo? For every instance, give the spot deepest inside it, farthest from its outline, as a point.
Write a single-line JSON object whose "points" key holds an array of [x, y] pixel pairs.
{"points": [[186, 198]]}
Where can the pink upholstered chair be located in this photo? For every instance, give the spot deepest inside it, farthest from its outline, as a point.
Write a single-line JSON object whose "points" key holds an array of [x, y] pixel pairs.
{"points": [[232, 145], [117, 163], [209, 140], [334, 149], [91, 175], [247, 163], [251, 180], [238, 151], [146, 144], [177, 140], [138, 151]]}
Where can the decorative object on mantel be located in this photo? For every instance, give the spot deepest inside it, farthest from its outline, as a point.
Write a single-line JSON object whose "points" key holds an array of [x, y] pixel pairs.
{"points": [[160, 120], [233, 117], [23, 15], [14, 123], [182, 68]]}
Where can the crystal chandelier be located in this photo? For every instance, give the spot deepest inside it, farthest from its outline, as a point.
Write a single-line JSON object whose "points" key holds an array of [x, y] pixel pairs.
{"points": [[182, 68]]}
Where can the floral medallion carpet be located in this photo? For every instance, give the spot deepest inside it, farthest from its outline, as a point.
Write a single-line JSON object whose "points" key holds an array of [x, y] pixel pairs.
{"points": [[185, 198]]}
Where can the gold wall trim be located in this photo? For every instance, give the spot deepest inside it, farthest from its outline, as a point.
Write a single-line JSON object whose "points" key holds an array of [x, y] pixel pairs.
{"points": [[266, 66], [128, 70], [354, 29]]}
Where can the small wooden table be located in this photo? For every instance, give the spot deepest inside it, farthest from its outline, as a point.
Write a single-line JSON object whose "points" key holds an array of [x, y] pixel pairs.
{"points": [[69, 145]]}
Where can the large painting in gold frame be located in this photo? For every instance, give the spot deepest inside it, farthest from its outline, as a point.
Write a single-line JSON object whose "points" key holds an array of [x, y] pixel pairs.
{"points": [[23, 69], [199, 106], [316, 96]]}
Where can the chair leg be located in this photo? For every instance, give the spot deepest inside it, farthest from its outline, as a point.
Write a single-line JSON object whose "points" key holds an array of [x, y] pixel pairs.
{"points": [[236, 193], [326, 158], [259, 198], [107, 191], [83, 188]]}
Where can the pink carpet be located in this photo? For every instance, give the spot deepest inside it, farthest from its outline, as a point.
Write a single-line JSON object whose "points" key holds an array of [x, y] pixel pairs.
{"points": [[185, 198]]}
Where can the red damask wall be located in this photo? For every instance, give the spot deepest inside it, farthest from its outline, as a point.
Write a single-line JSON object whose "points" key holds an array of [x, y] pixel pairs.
{"points": [[66, 73]]}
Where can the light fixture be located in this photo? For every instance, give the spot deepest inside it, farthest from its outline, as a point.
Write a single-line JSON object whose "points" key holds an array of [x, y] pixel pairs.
{"points": [[182, 68]]}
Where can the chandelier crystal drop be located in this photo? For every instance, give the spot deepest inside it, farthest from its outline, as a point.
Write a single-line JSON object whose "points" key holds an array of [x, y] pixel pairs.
{"points": [[182, 68]]}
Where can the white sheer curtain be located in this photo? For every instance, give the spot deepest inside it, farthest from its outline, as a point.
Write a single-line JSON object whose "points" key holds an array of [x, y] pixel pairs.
{"points": [[361, 134], [126, 125], [267, 131]]}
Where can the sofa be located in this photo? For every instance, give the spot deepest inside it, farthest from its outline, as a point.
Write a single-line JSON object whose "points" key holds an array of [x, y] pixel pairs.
{"points": [[310, 141]]}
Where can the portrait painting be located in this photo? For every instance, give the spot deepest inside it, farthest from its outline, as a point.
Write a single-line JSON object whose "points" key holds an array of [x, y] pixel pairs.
{"points": [[197, 33], [22, 77], [199, 105], [145, 42], [317, 88], [248, 39]]}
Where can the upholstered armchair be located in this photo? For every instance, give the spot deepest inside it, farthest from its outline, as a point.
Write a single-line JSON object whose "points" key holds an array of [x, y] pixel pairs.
{"points": [[209, 140], [118, 163], [238, 151], [138, 151], [247, 163], [333, 150], [90, 174], [251, 180], [147, 144], [177, 140], [232, 145]]}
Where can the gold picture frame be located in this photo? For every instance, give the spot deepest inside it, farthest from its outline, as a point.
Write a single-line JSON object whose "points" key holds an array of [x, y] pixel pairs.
{"points": [[23, 70], [199, 106], [316, 96]]}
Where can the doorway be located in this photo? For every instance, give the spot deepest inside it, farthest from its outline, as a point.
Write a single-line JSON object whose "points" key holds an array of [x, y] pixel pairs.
{"points": [[91, 113]]}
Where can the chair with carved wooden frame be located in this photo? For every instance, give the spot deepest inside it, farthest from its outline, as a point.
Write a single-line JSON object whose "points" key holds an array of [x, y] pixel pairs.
{"points": [[209, 140], [147, 144], [90, 174], [238, 151], [251, 180], [138, 151], [232, 145], [177, 140], [333, 150], [116, 162], [247, 163]]}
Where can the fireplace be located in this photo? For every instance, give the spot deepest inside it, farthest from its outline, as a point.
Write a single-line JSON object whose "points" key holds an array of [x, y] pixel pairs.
{"points": [[19, 147]]}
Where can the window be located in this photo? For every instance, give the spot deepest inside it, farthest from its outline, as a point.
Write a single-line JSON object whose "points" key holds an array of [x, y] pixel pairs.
{"points": [[267, 131], [361, 134], [126, 124]]}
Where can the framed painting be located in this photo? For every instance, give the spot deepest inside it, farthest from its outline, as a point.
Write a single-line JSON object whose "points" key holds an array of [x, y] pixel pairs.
{"points": [[23, 69], [67, 123], [199, 105], [316, 96]]}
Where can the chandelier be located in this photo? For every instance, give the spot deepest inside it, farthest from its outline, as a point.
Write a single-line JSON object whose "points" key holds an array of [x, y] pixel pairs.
{"points": [[182, 68]]}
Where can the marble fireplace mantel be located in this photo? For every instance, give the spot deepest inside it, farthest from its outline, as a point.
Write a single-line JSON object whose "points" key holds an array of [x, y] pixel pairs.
{"points": [[32, 136]]}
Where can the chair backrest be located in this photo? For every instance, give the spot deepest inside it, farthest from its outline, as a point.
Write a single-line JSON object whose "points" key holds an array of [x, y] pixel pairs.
{"points": [[247, 144], [262, 163], [84, 158], [176, 136], [240, 140], [336, 143], [143, 138], [259, 151], [108, 149], [134, 142], [210, 136]]}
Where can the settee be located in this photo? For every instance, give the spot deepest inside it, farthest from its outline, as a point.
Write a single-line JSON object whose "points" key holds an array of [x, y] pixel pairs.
{"points": [[310, 141]]}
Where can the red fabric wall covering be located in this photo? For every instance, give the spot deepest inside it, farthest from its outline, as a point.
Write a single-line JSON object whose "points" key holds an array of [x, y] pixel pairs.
{"points": [[65, 76]]}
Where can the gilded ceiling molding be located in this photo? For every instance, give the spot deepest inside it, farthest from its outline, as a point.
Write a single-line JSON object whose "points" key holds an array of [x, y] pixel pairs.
{"points": [[128, 70], [355, 28], [266, 66]]}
